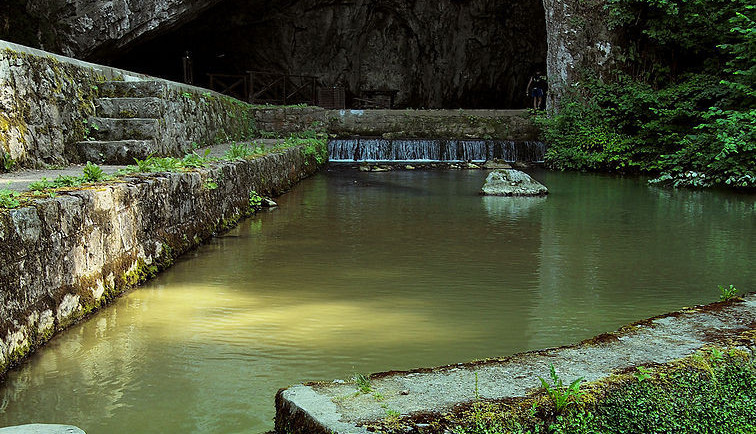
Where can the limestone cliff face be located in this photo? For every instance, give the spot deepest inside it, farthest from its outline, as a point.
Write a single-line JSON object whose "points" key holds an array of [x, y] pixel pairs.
{"points": [[436, 54], [86, 29], [578, 38], [446, 53]]}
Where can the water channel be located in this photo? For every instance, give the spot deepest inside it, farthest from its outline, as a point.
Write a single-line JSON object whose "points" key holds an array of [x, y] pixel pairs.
{"points": [[367, 272]]}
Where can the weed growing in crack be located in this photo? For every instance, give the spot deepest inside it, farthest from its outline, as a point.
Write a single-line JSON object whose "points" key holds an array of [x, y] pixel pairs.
{"points": [[561, 396]]}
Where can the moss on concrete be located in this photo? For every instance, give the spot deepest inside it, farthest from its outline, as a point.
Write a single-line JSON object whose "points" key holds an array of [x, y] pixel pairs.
{"points": [[713, 390]]}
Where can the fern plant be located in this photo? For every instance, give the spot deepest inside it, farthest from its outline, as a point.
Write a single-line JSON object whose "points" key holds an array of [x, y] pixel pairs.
{"points": [[561, 396]]}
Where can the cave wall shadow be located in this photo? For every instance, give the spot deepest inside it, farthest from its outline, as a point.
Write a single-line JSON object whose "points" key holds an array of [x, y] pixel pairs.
{"points": [[448, 54]]}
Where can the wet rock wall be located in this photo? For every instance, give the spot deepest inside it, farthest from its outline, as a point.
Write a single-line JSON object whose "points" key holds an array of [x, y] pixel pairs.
{"points": [[67, 256], [579, 41]]}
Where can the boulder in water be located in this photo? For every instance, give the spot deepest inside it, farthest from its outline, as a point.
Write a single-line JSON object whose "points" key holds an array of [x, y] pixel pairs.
{"points": [[506, 182]]}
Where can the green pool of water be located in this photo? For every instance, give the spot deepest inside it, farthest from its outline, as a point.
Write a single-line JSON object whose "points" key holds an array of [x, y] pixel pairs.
{"points": [[366, 272]]}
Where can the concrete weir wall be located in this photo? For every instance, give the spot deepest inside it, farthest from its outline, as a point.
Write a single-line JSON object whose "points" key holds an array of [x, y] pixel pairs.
{"points": [[67, 256], [513, 125], [433, 400]]}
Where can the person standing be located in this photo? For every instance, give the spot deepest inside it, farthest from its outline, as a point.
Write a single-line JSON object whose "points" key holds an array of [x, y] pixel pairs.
{"points": [[536, 89]]}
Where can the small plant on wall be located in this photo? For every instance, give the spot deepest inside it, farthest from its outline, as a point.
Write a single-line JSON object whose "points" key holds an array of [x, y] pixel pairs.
{"points": [[562, 396], [727, 293], [255, 200]]}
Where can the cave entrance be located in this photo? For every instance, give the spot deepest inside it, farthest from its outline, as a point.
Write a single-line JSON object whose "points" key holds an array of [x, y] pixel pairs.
{"points": [[449, 54]]}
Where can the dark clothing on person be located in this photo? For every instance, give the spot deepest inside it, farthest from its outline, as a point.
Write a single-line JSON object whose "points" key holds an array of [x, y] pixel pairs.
{"points": [[538, 85]]}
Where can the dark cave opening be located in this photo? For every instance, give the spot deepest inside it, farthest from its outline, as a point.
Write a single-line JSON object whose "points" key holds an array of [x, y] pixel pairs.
{"points": [[449, 54]]}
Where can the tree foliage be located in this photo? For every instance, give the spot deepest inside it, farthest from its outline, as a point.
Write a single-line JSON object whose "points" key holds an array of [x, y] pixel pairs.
{"points": [[682, 104]]}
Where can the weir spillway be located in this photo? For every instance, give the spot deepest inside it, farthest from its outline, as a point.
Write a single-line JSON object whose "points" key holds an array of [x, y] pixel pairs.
{"points": [[434, 150]]}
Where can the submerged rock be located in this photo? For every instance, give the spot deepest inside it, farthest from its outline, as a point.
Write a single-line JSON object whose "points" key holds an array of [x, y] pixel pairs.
{"points": [[512, 183]]}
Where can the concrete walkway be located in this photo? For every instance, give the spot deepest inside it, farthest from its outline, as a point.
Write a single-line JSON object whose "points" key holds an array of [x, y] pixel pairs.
{"points": [[335, 407], [20, 180]]}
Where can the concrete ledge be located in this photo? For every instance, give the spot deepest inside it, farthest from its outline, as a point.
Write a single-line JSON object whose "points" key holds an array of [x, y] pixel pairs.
{"points": [[67, 256], [515, 125], [39, 428], [425, 394]]}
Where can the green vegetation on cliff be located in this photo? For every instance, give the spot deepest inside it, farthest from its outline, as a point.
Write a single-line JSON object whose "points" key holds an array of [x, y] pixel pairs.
{"points": [[681, 104]]}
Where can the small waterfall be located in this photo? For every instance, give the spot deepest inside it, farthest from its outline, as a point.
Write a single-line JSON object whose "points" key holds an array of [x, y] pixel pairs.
{"points": [[427, 151]]}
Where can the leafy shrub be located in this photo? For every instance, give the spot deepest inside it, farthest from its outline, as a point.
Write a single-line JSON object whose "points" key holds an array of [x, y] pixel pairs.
{"points": [[672, 109], [9, 199], [93, 173], [562, 396]]}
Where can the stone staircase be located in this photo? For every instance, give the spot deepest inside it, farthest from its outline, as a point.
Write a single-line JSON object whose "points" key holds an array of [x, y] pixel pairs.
{"points": [[128, 124]]}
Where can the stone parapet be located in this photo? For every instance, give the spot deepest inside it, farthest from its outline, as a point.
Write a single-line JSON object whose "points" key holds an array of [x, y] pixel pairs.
{"points": [[514, 125], [65, 257]]}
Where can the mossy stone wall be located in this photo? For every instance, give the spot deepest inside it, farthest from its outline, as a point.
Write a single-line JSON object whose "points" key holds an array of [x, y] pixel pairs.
{"points": [[65, 257], [46, 101], [405, 124]]}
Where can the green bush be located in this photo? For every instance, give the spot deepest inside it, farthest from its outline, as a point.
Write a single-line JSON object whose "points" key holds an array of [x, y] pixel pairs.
{"points": [[711, 392], [9, 199], [681, 105]]}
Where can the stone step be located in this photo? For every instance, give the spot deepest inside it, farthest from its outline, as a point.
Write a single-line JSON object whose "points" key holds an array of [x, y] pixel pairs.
{"points": [[133, 89], [116, 151], [109, 129], [126, 108]]}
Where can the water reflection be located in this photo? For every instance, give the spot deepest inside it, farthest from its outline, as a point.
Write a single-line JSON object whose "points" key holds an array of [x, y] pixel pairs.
{"points": [[364, 272], [510, 208]]}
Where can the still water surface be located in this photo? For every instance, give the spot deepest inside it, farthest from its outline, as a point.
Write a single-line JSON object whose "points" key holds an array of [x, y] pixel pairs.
{"points": [[366, 272]]}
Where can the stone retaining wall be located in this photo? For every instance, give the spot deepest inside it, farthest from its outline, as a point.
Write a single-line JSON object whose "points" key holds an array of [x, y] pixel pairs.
{"points": [[515, 125], [67, 256], [46, 101]]}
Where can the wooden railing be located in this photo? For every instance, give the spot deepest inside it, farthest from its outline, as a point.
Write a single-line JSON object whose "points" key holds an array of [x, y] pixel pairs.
{"points": [[281, 89], [267, 87], [234, 85]]}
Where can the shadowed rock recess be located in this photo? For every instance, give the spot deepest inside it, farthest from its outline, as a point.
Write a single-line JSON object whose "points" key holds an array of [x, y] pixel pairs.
{"points": [[445, 54]]}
